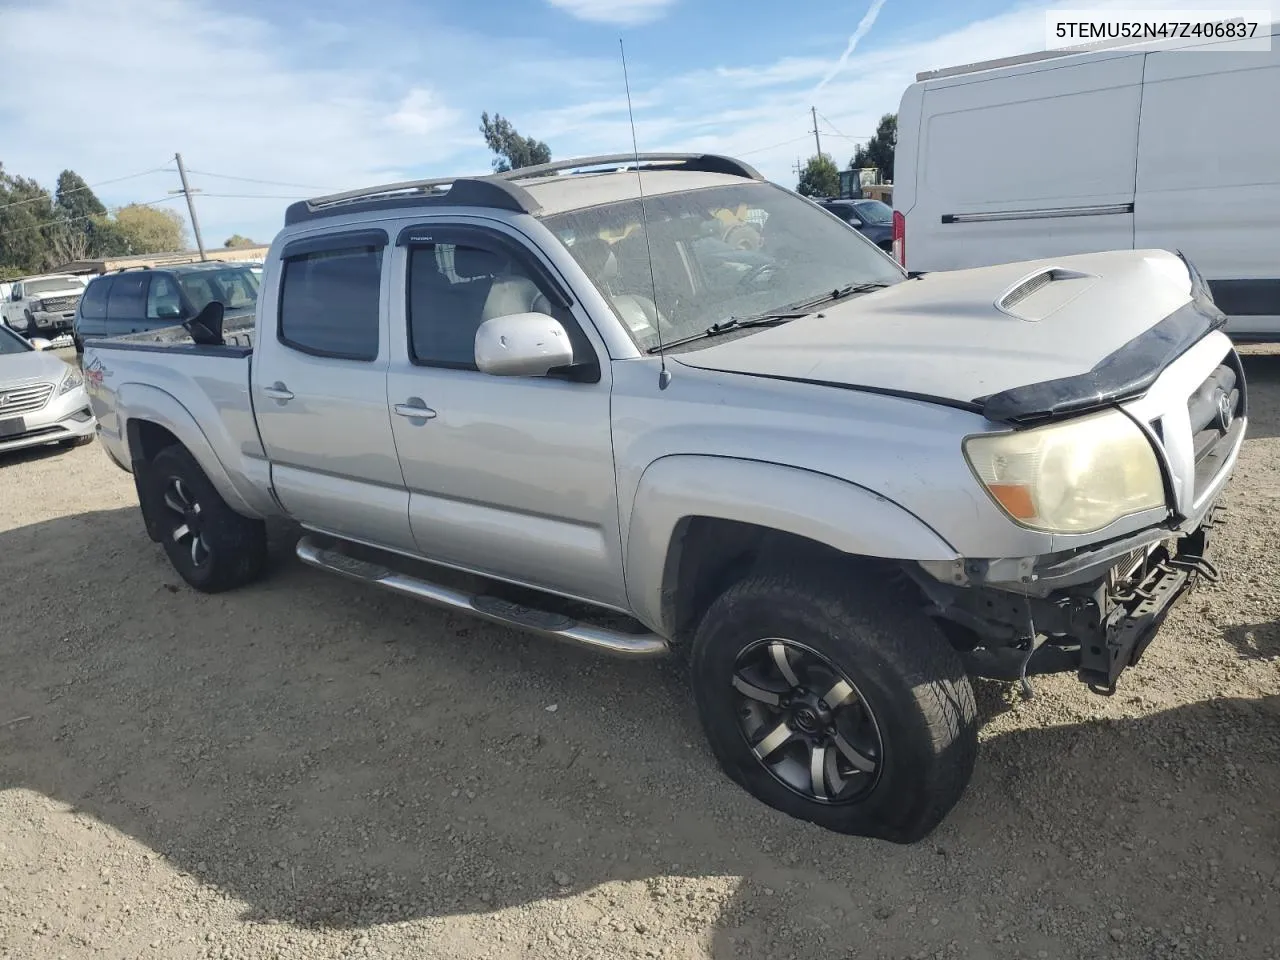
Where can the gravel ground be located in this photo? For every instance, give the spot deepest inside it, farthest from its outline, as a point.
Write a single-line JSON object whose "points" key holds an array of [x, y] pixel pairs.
{"points": [[308, 768]]}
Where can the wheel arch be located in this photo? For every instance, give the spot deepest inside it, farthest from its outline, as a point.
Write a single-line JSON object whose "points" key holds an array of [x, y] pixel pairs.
{"points": [[154, 420], [698, 522]]}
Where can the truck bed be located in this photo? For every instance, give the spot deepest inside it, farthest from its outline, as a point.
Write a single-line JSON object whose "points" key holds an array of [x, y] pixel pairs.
{"points": [[237, 337]]}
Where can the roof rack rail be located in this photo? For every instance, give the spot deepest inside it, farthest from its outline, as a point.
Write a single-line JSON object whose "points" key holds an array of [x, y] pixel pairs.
{"points": [[500, 190], [136, 266]]}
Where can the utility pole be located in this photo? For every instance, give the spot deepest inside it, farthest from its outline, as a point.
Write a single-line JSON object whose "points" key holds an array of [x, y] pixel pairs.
{"points": [[191, 205], [816, 139]]}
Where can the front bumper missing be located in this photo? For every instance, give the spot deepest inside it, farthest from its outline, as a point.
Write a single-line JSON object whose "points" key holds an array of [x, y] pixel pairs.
{"points": [[1098, 629]]}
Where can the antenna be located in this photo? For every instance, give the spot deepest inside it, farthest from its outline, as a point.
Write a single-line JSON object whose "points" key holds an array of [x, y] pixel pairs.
{"points": [[664, 377]]}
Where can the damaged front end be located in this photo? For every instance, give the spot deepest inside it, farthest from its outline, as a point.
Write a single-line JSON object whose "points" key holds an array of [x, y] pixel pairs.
{"points": [[1094, 613]]}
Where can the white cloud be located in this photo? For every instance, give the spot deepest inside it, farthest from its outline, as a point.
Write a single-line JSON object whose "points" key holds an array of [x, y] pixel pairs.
{"points": [[622, 12], [338, 106]]}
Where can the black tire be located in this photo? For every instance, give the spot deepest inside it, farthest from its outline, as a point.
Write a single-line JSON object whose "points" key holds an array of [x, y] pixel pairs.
{"points": [[923, 731], [220, 549]]}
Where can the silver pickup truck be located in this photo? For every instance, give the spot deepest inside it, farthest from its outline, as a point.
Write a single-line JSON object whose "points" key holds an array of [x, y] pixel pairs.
{"points": [[659, 404]]}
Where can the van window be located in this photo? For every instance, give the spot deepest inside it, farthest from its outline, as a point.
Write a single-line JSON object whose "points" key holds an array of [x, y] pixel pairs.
{"points": [[94, 304], [127, 298], [329, 303]]}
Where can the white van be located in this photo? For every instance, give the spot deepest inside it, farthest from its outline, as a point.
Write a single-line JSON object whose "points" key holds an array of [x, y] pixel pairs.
{"points": [[1134, 147]]}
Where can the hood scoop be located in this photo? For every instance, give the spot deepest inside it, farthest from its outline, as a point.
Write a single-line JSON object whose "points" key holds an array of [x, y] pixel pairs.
{"points": [[1044, 293]]}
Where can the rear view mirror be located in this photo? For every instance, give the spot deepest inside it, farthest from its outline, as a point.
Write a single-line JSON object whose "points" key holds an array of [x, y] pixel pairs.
{"points": [[206, 326], [522, 345]]}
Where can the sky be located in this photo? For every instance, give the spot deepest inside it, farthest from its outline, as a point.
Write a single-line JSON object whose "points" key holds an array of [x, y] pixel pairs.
{"points": [[328, 95]]}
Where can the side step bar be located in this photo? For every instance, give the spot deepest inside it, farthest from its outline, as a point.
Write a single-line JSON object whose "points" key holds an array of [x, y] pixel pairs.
{"points": [[495, 609]]}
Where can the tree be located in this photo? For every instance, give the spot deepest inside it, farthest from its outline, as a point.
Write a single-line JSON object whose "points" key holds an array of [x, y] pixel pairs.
{"points": [[235, 240], [143, 229], [76, 208], [26, 217], [820, 177], [878, 151], [512, 150]]}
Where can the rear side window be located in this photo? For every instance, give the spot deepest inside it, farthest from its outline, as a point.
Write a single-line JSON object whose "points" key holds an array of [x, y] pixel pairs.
{"points": [[93, 305], [127, 300], [329, 302]]}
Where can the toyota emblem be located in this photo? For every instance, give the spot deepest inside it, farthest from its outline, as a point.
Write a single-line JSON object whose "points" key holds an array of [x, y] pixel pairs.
{"points": [[1226, 413]]}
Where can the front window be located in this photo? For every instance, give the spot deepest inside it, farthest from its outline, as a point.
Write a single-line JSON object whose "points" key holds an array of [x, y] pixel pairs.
{"points": [[11, 343], [718, 252], [873, 211], [237, 288], [34, 288]]}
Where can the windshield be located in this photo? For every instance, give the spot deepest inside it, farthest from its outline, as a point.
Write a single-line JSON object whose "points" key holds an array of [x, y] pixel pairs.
{"points": [[11, 343], [873, 211], [36, 287], [237, 288], [740, 250]]}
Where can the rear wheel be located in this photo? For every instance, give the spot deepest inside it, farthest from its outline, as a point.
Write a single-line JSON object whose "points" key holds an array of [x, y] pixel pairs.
{"points": [[211, 546], [830, 698]]}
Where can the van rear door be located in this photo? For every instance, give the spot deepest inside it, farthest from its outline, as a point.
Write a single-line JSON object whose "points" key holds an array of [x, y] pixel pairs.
{"points": [[1208, 176], [1035, 161]]}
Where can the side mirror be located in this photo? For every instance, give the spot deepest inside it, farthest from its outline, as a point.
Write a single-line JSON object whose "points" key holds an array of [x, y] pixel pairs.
{"points": [[16, 296], [40, 343], [855, 222], [167, 311], [522, 345], [206, 326]]}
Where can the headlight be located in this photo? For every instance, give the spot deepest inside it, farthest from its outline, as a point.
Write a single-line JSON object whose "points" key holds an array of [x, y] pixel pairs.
{"points": [[1073, 477], [70, 380]]}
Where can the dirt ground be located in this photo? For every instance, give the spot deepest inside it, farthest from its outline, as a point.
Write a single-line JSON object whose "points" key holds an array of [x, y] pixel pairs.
{"points": [[309, 768]]}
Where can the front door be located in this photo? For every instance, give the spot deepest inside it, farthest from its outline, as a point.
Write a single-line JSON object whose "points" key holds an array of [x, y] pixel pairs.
{"points": [[508, 476], [320, 390]]}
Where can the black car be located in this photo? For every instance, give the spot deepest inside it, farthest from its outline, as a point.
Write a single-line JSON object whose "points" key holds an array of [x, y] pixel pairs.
{"points": [[138, 299], [872, 218]]}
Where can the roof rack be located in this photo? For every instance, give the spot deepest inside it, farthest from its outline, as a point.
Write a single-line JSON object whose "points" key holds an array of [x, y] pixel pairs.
{"points": [[501, 190]]}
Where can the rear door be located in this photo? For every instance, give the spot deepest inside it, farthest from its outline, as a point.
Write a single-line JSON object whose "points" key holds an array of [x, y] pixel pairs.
{"points": [[127, 303], [1033, 162], [1216, 196], [319, 388]]}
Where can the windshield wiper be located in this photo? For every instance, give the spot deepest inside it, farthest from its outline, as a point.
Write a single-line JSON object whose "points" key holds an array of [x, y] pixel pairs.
{"points": [[731, 324], [847, 291]]}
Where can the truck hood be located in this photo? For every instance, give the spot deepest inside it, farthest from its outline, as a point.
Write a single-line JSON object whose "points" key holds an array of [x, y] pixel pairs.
{"points": [[1033, 338], [71, 290], [28, 367]]}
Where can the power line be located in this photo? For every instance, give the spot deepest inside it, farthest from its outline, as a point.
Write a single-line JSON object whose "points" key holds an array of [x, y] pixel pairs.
{"points": [[62, 221], [269, 183], [837, 132], [44, 194], [256, 196], [774, 146]]}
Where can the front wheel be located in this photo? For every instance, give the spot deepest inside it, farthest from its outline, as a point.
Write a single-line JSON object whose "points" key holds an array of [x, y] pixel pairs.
{"points": [[211, 546], [829, 698]]}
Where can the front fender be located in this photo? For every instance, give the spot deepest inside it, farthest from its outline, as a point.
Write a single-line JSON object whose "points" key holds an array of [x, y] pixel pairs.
{"points": [[139, 402], [816, 506]]}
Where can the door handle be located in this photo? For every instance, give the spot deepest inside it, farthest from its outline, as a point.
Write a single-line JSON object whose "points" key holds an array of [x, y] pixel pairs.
{"points": [[415, 409], [278, 391]]}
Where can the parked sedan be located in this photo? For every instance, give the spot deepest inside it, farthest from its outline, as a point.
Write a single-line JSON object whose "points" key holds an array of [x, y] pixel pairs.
{"points": [[42, 398], [871, 218]]}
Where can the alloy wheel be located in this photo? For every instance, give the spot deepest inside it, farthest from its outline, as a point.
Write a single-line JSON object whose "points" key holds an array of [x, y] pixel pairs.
{"points": [[806, 722], [187, 528]]}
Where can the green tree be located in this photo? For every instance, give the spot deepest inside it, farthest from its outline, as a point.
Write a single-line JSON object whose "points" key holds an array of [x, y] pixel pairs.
{"points": [[75, 207], [26, 216], [138, 229], [878, 151], [512, 150], [819, 178], [235, 240]]}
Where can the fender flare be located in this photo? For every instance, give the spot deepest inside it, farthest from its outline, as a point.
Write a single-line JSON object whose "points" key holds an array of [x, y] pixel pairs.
{"points": [[816, 506], [141, 402]]}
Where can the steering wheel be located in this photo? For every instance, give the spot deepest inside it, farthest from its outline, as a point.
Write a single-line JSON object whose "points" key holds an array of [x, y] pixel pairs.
{"points": [[756, 272]]}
